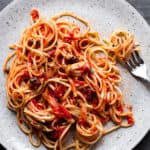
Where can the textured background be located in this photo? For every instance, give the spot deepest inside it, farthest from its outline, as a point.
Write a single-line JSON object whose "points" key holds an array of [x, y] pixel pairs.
{"points": [[143, 7]]}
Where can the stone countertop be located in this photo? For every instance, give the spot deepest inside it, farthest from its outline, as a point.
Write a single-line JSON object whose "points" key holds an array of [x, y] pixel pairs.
{"points": [[143, 7]]}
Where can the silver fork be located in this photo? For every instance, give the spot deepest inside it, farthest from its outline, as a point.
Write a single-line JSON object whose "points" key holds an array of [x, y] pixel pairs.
{"points": [[137, 67]]}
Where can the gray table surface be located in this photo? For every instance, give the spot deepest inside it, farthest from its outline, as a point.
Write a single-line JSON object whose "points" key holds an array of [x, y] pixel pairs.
{"points": [[143, 7]]}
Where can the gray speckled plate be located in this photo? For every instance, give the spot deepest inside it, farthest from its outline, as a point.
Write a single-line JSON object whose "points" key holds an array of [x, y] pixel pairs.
{"points": [[105, 16]]}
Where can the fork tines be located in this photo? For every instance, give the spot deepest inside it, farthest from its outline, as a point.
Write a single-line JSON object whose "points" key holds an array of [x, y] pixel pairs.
{"points": [[134, 61]]}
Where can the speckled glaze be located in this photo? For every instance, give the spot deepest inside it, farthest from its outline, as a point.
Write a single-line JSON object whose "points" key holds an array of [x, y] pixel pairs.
{"points": [[105, 16]]}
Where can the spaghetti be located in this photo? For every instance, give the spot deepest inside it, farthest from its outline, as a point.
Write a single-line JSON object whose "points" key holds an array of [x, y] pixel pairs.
{"points": [[60, 78]]}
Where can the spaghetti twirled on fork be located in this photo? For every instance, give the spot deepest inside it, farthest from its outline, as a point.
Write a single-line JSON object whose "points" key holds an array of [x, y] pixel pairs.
{"points": [[60, 78]]}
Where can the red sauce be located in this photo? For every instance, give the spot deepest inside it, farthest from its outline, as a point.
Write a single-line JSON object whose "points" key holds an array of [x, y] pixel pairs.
{"points": [[82, 121], [85, 69], [119, 119], [120, 108], [57, 133], [61, 112], [66, 40], [59, 91], [51, 93], [30, 58], [21, 121], [71, 34], [78, 49], [71, 37], [113, 77], [79, 82], [42, 28], [34, 102], [19, 48], [62, 30], [35, 14], [107, 107], [95, 102], [130, 120], [104, 120], [45, 77], [52, 52]]}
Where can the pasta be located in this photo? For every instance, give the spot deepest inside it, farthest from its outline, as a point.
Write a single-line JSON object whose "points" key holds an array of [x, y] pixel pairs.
{"points": [[61, 79]]}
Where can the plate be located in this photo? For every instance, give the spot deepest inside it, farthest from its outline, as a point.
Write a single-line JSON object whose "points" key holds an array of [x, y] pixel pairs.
{"points": [[105, 17]]}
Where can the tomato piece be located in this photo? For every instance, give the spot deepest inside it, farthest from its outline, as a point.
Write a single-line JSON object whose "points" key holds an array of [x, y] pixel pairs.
{"points": [[130, 120], [85, 69], [120, 108], [71, 34], [61, 112], [59, 91], [34, 102], [34, 14], [82, 121], [79, 82], [104, 120], [57, 133]]}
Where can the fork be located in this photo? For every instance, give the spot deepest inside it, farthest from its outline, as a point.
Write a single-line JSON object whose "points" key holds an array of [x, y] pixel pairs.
{"points": [[137, 67]]}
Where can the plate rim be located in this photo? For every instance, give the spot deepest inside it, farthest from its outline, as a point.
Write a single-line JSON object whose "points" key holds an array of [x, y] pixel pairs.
{"points": [[5, 9]]}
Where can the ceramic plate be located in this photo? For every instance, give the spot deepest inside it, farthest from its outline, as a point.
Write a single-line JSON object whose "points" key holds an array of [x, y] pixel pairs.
{"points": [[105, 16]]}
